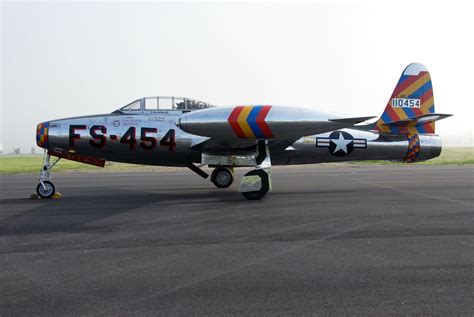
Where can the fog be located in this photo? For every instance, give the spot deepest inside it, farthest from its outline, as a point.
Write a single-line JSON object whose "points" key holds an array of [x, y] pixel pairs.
{"points": [[67, 59]]}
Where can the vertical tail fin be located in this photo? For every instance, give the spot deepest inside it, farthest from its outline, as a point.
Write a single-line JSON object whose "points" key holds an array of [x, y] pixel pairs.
{"points": [[411, 101]]}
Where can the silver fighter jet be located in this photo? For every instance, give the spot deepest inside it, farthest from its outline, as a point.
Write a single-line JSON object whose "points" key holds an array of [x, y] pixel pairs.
{"points": [[171, 131]]}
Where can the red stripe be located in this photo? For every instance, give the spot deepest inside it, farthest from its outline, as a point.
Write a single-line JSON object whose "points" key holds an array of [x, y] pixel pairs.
{"points": [[407, 83], [429, 127], [427, 95], [261, 121], [391, 113], [417, 111], [233, 121]]}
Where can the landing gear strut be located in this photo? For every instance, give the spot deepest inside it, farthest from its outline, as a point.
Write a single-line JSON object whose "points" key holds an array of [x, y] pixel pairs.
{"points": [[45, 188], [222, 177]]}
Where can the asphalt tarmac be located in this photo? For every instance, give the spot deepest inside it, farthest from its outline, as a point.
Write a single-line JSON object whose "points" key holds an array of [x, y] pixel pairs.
{"points": [[377, 240]]}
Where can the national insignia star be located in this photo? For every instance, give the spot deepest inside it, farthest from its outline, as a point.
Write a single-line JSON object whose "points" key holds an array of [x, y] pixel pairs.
{"points": [[341, 143]]}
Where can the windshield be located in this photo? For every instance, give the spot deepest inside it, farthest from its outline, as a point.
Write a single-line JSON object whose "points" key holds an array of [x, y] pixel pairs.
{"points": [[134, 106]]}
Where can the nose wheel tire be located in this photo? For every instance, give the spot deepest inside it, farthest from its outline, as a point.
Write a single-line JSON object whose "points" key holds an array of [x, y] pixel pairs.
{"points": [[222, 177], [46, 191]]}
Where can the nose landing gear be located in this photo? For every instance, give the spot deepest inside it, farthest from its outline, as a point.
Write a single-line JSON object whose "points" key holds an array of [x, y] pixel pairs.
{"points": [[45, 188]]}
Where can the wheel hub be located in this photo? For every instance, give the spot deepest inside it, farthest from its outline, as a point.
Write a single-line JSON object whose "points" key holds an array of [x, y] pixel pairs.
{"points": [[223, 178], [45, 189]]}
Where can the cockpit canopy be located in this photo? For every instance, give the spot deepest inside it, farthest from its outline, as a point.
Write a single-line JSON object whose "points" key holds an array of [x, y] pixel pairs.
{"points": [[159, 103]]}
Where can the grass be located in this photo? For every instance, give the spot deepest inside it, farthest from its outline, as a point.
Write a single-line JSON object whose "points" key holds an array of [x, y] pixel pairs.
{"points": [[15, 164], [453, 155], [449, 156]]}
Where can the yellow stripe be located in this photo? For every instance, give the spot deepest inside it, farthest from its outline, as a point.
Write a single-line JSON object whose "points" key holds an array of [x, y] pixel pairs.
{"points": [[427, 105], [242, 121], [433, 126], [401, 113], [383, 127], [415, 86]]}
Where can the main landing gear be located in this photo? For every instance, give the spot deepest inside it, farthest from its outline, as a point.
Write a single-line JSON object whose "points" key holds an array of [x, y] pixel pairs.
{"points": [[45, 188], [254, 185], [222, 177], [258, 182]]}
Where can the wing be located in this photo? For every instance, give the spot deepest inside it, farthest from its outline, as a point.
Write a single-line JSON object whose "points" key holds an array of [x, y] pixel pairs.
{"points": [[237, 145]]}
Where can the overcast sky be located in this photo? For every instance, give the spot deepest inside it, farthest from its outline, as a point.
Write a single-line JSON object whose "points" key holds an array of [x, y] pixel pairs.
{"points": [[67, 59]]}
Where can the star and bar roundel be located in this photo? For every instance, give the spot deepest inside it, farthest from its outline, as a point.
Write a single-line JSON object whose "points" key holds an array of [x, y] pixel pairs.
{"points": [[341, 143], [248, 122]]}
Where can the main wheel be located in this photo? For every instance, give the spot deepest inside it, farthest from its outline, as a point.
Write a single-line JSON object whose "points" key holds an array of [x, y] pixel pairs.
{"points": [[222, 177], [259, 194], [46, 191]]}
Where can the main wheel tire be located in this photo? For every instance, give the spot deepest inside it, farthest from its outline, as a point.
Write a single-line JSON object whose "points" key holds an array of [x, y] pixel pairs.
{"points": [[47, 191], [222, 177], [259, 194]]}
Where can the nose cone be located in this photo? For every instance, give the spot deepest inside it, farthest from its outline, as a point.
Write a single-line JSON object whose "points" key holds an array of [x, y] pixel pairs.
{"points": [[42, 135]]}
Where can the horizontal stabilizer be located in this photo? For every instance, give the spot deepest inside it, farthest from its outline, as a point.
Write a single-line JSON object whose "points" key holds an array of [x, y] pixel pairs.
{"points": [[418, 120], [351, 120]]}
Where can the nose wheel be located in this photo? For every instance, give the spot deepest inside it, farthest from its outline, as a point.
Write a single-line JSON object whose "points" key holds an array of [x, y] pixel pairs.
{"points": [[222, 177], [45, 189]]}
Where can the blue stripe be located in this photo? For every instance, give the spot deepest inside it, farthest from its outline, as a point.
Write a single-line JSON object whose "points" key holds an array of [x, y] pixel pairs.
{"points": [[394, 130], [431, 109], [403, 78], [386, 118], [252, 121], [417, 94], [421, 129], [409, 112]]}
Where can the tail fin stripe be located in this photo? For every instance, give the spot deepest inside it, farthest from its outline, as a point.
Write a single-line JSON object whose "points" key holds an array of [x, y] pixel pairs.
{"points": [[403, 78], [405, 84], [429, 128], [422, 90], [432, 109], [421, 129], [409, 112], [416, 85], [418, 111], [395, 130], [390, 115], [427, 95], [401, 114], [428, 105]]}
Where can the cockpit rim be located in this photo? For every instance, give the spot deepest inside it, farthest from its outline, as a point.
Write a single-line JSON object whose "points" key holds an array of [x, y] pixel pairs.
{"points": [[182, 104]]}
